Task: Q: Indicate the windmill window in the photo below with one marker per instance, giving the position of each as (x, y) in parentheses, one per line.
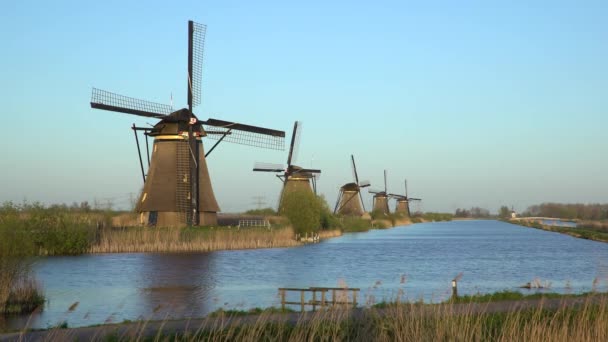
(185, 179)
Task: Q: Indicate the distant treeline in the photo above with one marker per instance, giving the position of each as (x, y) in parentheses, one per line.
(474, 212)
(569, 211)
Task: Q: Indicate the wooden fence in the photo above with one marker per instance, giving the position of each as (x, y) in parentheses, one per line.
(339, 297)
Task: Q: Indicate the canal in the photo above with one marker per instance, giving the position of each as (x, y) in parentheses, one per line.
(417, 262)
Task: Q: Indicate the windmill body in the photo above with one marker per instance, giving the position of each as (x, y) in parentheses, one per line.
(381, 203)
(294, 178)
(177, 188)
(381, 199)
(349, 201)
(403, 203)
(165, 198)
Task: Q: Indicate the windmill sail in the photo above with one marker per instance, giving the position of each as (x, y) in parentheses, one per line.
(245, 134)
(102, 99)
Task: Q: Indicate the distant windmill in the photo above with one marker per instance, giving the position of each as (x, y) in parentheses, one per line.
(403, 202)
(177, 189)
(294, 178)
(381, 199)
(350, 201)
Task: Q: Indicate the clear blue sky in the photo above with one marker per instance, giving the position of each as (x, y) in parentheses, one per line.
(475, 103)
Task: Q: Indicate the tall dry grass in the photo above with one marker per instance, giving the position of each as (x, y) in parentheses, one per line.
(189, 239)
(328, 234)
(587, 321)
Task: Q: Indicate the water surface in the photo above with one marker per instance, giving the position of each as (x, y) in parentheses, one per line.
(420, 260)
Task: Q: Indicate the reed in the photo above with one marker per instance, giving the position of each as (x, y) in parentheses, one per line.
(143, 239)
(588, 321)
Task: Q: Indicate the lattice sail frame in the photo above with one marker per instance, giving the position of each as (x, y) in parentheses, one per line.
(246, 138)
(198, 49)
(103, 99)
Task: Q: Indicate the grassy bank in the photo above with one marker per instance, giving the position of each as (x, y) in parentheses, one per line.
(586, 230)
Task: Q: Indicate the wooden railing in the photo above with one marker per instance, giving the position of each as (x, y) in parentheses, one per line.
(339, 297)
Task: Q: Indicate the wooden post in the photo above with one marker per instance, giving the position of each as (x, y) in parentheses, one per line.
(314, 300)
(454, 289)
(282, 300)
(333, 297)
(323, 298)
(354, 298)
(301, 300)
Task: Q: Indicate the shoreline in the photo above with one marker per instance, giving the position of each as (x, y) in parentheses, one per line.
(579, 233)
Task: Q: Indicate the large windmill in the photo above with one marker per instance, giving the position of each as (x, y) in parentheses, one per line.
(381, 199)
(294, 178)
(403, 202)
(350, 201)
(177, 189)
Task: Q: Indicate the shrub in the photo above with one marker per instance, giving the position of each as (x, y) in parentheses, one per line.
(262, 212)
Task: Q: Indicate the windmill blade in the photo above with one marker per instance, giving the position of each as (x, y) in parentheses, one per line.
(374, 191)
(315, 171)
(245, 134)
(385, 189)
(414, 199)
(354, 168)
(362, 202)
(102, 99)
(397, 196)
(406, 188)
(295, 143)
(268, 167)
(364, 184)
(196, 47)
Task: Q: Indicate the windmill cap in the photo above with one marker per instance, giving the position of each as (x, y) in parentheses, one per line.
(350, 187)
(175, 123)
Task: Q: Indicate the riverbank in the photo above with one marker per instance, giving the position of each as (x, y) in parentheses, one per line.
(557, 319)
(588, 230)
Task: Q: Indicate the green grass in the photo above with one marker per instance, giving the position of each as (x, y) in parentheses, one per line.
(254, 311)
(582, 231)
(508, 295)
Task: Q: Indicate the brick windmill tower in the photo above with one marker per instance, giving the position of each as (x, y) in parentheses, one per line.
(381, 199)
(293, 177)
(350, 201)
(403, 202)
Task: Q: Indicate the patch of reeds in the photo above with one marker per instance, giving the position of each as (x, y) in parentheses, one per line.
(19, 292)
(145, 239)
(352, 224)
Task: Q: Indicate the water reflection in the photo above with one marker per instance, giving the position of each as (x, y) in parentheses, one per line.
(176, 285)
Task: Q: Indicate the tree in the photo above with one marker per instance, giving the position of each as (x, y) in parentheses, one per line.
(303, 210)
(504, 212)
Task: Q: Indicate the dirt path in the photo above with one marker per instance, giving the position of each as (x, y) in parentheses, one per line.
(137, 330)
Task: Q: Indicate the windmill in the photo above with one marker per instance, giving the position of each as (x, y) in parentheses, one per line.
(350, 201)
(294, 178)
(381, 199)
(177, 188)
(403, 202)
